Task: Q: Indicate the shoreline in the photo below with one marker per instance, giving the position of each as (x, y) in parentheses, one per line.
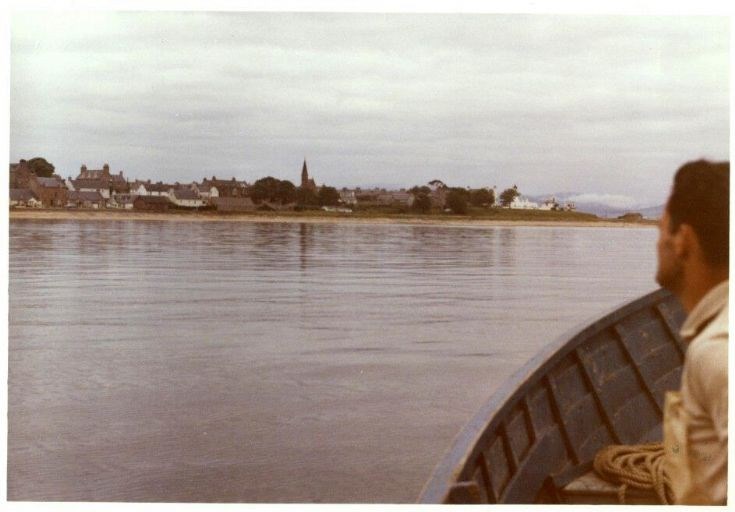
(107, 215)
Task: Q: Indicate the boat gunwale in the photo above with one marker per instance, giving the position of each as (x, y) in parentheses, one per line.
(471, 438)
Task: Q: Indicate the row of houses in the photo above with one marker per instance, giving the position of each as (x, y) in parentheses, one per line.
(100, 188)
(523, 203)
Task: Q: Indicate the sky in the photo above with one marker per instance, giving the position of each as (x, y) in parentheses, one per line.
(605, 106)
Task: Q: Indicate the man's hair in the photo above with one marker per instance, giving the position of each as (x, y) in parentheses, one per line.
(700, 197)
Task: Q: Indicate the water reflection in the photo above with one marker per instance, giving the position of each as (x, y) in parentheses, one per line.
(305, 242)
(342, 359)
(507, 247)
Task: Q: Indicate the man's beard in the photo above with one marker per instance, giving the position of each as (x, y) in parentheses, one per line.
(671, 278)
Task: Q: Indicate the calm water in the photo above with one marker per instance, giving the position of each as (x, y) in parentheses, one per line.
(177, 361)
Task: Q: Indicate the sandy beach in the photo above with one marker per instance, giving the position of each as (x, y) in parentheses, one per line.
(108, 215)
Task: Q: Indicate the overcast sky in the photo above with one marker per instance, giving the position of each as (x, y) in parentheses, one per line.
(601, 105)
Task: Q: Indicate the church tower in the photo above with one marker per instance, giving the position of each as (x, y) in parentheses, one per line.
(304, 176)
(306, 182)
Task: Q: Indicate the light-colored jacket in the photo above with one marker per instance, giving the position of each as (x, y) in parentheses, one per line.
(695, 418)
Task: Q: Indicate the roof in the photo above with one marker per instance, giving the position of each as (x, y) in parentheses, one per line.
(89, 183)
(119, 186)
(185, 193)
(154, 187)
(92, 196)
(51, 182)
(222, 184)
(157, 187)
(21, 194)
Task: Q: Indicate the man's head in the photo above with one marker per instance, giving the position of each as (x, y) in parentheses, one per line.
(694, 232)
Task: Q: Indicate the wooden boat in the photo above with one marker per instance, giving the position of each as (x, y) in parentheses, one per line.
(535, 439)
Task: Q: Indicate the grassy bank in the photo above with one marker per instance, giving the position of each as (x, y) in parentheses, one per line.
(478, 217)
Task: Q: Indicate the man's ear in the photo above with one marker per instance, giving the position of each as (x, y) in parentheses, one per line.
(686, 242)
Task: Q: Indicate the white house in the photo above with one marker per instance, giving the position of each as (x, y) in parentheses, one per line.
(522, 203)
(146, 188)
(186, 198)
(138, 189)
(348, 196)
(123, 201)
(549, 204)
(205, 191)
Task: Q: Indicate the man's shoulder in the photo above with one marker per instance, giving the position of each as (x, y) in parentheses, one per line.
(719, 327)
(706, 357)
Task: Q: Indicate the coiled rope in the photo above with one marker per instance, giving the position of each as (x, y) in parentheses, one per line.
(639, 466)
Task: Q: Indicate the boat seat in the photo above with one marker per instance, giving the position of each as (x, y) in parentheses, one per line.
(591, 489)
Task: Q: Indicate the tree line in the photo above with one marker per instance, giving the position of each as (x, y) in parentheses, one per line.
(285, 192)
(459, 199)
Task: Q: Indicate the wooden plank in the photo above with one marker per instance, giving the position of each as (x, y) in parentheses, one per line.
(464, 492)
(486, 486)
(601, 406)
(543, 459)
(642, 379)
(509, 454)
(559, 419)
(532, 436)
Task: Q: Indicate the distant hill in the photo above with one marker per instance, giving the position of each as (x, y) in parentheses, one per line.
(652, 212)
(602, 209)
(607, 211)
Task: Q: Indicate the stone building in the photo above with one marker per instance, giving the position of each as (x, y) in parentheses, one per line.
(224, 188)
(96, 179)
(51, 192)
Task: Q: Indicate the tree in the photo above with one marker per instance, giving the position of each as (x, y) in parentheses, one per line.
(457, 200)
(421, 203)
(265, 189)
(286, 192)
(328, 196)
(306, 197)
(41, 167)
(273, 190)
(508, 195)
(437, 184)
(482, 197)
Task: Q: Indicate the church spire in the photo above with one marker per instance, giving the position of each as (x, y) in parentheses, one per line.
(304, 175)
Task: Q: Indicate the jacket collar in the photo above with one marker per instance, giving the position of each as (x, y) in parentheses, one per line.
(707, 308)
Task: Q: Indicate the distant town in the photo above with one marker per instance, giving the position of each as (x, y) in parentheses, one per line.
(35, 184)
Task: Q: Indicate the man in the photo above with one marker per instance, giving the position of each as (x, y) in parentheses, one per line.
(693, 255)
